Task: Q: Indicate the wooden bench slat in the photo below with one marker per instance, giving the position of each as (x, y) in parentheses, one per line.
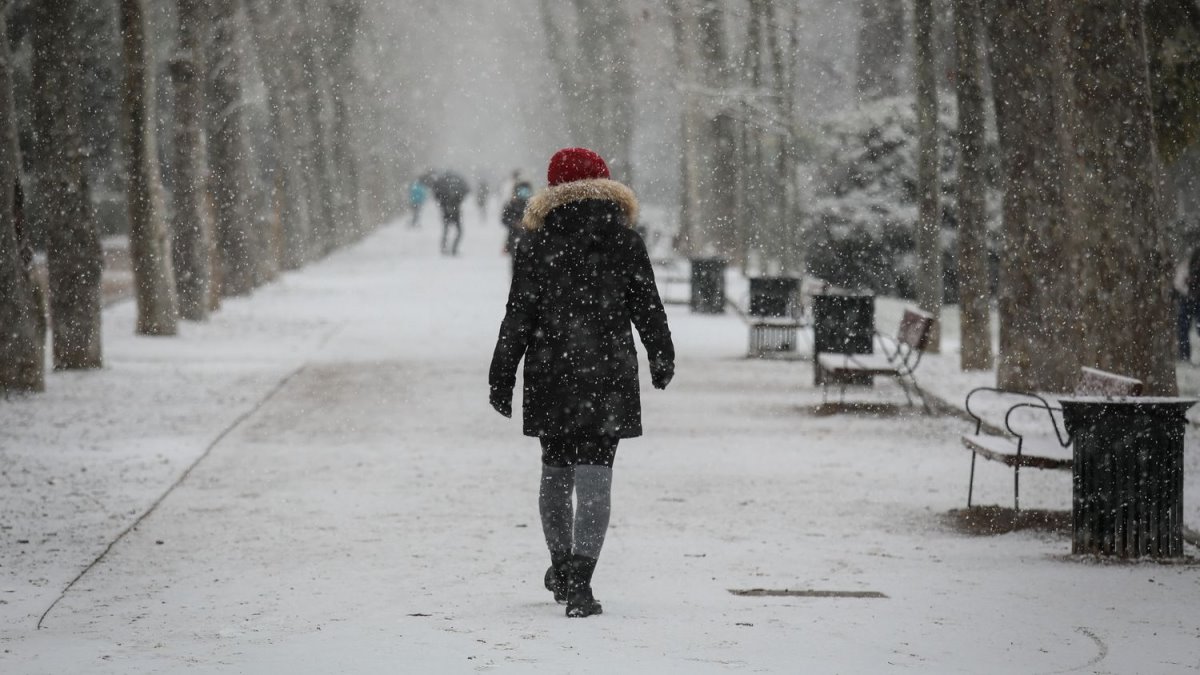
(1095, 382)
(1042, 455)
(874, 364)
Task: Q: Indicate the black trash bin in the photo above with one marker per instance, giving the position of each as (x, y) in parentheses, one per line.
(1127, 470)
(843, 323)
(708, 285)
(773, 296)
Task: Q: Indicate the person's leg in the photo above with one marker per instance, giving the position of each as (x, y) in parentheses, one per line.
(458, 230)
(1192, 312)
(1183, 328)
(593, 491)
(446, 221)
(554, 505)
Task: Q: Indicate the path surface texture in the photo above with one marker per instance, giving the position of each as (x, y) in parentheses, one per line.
(313, 482)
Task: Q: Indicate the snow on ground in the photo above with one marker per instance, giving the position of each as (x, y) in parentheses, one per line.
(355, 506)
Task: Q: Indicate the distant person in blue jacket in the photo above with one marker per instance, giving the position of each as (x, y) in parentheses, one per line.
(416, 198)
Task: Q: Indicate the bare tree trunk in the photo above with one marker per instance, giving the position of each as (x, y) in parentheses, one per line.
(596, 78)
(929, 212)
(579, 123)
(154, 279)
(22, 342)
(880, 48)
(62, 198)
(192, 241)
(230, 180)
(781, 181)
(1037, 299)
(721, 171)
(689, 116)
(1124, 272)
(754, 230)
(275, 29)
(314, 83)
(974, 288)
(615, 45)
(344, 25)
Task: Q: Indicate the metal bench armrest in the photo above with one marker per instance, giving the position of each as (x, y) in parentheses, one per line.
(903, 357)
(1000, 392)
(1050, 410)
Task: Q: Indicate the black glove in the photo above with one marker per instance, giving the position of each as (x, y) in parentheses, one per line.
(501, 402)
(661, 376)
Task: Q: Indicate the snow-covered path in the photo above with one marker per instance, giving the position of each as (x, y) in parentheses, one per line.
(368, 512)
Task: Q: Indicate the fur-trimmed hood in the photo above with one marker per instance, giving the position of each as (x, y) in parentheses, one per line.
(551, 198)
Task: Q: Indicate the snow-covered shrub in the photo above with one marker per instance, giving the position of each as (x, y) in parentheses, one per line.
(861, 220)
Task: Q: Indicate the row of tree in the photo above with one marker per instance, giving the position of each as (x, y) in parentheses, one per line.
(247, 197)
(1081, 100)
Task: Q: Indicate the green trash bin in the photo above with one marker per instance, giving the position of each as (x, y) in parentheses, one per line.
(1127, 474)
(708, 285)
(843, 323)
(773, 296)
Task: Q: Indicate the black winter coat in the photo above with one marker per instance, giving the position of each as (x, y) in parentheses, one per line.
(581, 277)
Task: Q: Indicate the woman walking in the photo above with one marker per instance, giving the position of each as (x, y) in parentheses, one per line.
(581, 276)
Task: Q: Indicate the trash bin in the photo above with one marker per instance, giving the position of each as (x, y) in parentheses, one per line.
(773, 296)
(708, 285)
(843, 323)
(1127, 470)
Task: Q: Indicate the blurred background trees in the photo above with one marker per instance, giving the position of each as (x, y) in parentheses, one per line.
(784, 137)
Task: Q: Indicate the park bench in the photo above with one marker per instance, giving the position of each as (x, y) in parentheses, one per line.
(1043, 451)
(774, 313)
(898, 358)
(773, 334)
(674, 283)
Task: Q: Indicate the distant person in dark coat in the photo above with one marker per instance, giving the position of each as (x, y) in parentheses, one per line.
(450, 190)
(581, 279)
(1187, 291)
(482, 192)
(514, 211)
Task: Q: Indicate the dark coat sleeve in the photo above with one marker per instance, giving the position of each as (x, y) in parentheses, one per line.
(645, 308)
(511, 216)
(515, 331)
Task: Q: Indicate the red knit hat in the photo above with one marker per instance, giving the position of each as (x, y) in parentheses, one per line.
(571, 164)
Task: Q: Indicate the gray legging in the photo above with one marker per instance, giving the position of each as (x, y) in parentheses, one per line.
(582, 531)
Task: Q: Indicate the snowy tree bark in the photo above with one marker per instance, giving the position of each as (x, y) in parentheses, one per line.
(974, 288)
(228, 148)
(880, 48)
(192, 240)
(61, 195)
(929, 212)
(154, 279)
(1125, 310)
(23, 339)
(275, 30)
(1037, 295)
